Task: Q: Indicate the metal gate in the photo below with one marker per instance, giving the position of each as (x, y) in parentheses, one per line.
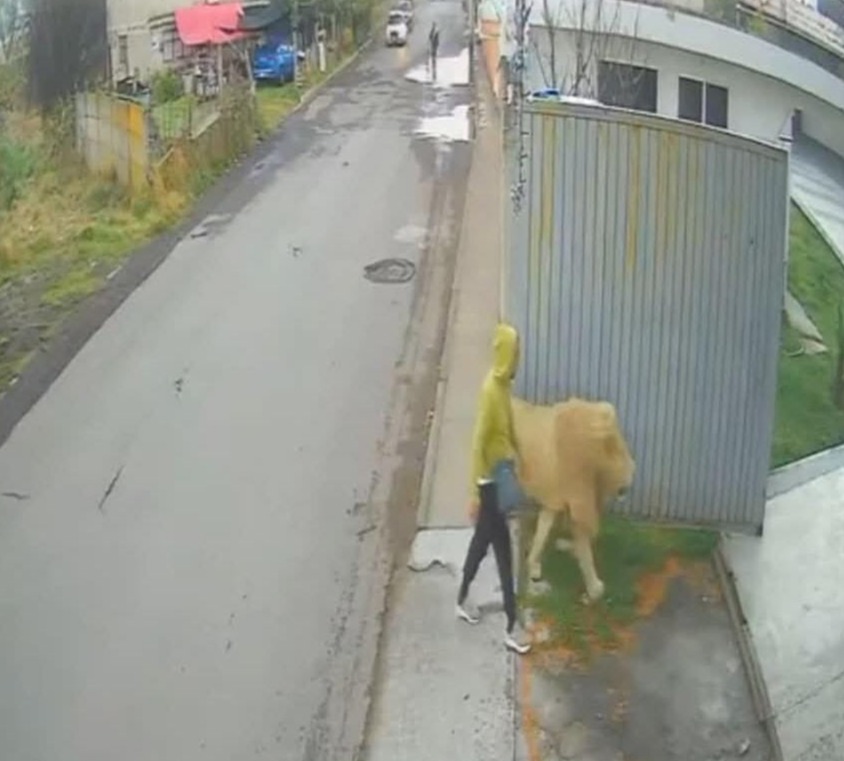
(647, 267)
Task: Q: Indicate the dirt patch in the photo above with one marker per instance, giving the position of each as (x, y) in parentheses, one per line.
(672, 689)
(637, 563)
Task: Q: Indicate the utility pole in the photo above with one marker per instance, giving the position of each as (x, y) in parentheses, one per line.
(473, 22)
(294, 22)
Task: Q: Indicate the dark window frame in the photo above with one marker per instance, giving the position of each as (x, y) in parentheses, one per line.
(628, 85)
(123, 51)
(717, 111)
(713, 108)
(690, 107)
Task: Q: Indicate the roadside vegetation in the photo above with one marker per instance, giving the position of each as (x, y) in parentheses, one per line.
(810, 389)
(64, 231)
(276, 102)
(636, 562)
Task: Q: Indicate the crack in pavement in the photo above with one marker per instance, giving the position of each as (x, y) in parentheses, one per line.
(20, 497)
(110, 489)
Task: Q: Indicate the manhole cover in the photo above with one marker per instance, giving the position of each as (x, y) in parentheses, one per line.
(390, 271)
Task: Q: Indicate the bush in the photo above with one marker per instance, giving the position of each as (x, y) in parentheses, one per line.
(167, 86)
(11, 84)
(17, 164)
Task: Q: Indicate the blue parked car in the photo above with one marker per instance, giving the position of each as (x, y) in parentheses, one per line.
(274, 62)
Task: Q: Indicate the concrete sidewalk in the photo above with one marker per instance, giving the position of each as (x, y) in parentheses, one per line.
(474, 312)
(446, 688)
(789, 584)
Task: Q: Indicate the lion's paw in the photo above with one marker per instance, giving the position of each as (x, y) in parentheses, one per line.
(535, 571)
(595, 591)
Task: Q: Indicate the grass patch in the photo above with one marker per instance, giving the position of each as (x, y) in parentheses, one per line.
(274, 103)
(627, 555)
(18, 162)
(807, 420)
(10, 368)
(63, 233)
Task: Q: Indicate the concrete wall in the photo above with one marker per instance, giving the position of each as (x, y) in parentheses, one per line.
(112, 137)
(759, 105)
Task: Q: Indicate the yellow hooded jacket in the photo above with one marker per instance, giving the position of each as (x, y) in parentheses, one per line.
(494, 438)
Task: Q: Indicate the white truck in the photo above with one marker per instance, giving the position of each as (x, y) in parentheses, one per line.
(397, 30)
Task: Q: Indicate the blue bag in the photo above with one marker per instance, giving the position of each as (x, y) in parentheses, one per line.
(509, 491)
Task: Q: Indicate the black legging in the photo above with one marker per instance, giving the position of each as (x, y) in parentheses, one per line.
(491, 528)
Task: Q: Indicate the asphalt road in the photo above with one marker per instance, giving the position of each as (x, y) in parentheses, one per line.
(190, 511)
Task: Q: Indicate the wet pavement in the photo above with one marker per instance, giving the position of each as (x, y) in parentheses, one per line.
(185, 561)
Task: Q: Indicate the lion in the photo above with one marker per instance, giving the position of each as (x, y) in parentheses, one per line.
(574, 460)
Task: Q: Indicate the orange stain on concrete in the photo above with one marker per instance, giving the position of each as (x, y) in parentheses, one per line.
(653, 587)
(652, 590)
(530, 724)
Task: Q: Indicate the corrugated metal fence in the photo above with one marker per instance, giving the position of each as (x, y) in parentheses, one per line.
(647, 267)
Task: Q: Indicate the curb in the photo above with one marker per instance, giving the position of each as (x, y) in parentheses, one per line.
(798, 473)
(429, 469)
(312, 92)
(747, 650)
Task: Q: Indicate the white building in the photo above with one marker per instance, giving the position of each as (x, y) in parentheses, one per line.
(672, 62)
(142, 36)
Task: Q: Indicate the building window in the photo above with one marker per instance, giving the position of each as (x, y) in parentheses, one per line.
(627, 86)
(690, 105)
(716, 105)
(703, 103)
(172, 48)
(123, 52)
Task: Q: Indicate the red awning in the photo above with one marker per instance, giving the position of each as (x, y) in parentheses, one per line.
(212, 24)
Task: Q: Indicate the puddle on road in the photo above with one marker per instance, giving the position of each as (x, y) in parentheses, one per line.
(452, 71)
(446, 128)
(413, 234)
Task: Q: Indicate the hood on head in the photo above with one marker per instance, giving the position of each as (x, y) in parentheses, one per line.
(505, 349)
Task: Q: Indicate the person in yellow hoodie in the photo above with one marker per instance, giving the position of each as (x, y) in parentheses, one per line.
(493, 447)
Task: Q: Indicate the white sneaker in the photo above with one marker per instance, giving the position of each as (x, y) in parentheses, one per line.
(468, 612)
(516, 641)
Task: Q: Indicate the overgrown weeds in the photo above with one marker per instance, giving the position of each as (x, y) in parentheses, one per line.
(17, 165)
(64, 232)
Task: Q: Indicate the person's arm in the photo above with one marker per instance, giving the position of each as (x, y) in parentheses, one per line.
(514, 442)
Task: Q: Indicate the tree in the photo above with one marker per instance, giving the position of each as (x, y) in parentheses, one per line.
(68, 48)
(595, 33)
(12, 29)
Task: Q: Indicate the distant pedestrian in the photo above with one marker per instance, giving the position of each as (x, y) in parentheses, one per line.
(494, 450)
(434, 45)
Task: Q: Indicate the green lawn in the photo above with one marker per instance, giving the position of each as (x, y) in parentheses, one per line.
(274, 103)
(806, 418)
(634, 561)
